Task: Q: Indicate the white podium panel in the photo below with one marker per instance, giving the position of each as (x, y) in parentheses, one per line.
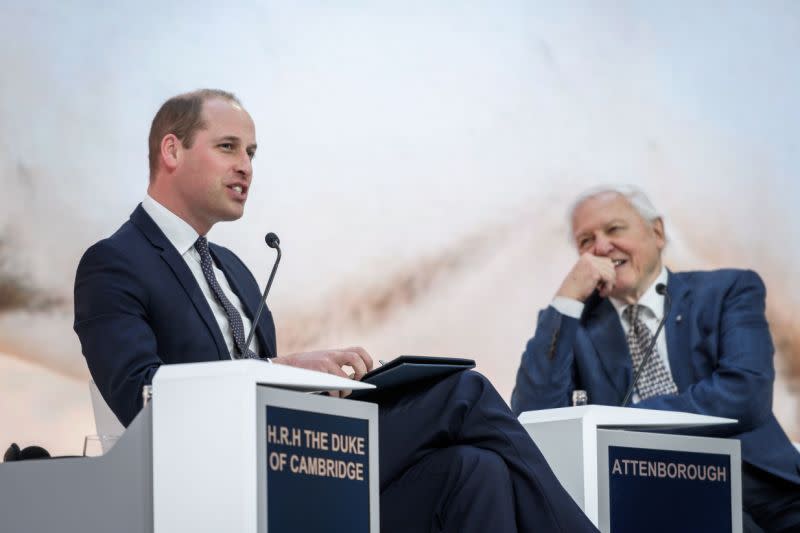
(606, 463)
(206, 437)
(196, 458)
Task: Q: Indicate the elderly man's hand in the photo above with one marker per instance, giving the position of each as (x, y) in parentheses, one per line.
(331, 362)
(590, 272)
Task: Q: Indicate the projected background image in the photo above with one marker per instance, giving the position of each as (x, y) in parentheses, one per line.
(416, 160)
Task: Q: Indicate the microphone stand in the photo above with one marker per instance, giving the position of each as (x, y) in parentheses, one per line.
(660, 289)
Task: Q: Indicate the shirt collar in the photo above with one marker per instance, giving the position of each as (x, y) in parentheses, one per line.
(179, 233)
(650, 299)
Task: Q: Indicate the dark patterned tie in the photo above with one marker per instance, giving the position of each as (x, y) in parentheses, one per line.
(234, 318)
(655, 378)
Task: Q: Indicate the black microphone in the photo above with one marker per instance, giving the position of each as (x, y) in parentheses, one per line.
(662, 290)
(272, 241)
(13, 453)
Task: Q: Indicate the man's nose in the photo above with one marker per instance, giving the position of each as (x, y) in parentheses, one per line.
(244, 166)
(602, 246)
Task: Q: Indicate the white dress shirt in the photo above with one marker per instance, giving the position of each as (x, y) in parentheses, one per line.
(182, 236)
(651, 315)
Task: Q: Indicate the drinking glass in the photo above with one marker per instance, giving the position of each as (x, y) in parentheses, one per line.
(97, 445)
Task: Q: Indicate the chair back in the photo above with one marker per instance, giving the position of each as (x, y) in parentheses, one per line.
(105, 421)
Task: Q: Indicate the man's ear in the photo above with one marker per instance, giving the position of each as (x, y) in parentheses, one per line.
(171, 148)
(658, 229)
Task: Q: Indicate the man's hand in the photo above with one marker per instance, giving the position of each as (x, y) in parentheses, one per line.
(331, 362)
(589, 273)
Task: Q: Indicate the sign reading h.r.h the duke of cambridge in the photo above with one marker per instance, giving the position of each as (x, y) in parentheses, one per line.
(666, 490)
(317, 472)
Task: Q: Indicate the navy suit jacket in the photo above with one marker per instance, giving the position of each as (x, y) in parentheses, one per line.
(720, 354)
(135, 301)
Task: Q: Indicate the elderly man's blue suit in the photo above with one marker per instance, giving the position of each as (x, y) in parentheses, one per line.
(720, 354)
(452, 455)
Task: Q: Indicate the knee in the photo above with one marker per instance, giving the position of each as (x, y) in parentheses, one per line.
(475, 389)
(472, 383)
(477, 465)
(474, 378)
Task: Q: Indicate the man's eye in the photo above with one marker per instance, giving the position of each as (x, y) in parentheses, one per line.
(226, 146)
(251, 155)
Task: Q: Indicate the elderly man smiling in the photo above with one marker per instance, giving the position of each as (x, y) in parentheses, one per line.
(715, 359)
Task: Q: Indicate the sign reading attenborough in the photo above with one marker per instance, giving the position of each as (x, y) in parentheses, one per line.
(317, 472)
(665, 490)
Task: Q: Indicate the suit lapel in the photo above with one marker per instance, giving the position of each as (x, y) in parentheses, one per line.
(178, 266)
(677, 331)
(608, 337)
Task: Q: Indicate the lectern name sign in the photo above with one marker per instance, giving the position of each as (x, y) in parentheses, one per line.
(310, 440)
(317, 471)
(659, 490)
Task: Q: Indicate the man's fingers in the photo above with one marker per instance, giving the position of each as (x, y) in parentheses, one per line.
(353, 360)
(589, 273)
(331, 367)
(362, 353)
(605, 288)
(602, 260)
(331, 362)
(356, 357)
(606, 271)
(604, 268)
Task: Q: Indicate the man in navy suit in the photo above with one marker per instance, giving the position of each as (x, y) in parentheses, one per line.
(716, 358)
(452, 455)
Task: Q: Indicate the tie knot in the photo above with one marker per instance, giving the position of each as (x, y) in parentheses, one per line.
(201, 245)
(631, 313)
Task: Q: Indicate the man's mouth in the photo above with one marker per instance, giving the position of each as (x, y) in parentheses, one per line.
(619, 262)
(239, 189)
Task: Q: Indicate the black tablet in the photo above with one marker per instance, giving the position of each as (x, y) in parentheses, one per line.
(407, 369)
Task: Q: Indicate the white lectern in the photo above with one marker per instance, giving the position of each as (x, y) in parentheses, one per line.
(220, 448)
(615, 471)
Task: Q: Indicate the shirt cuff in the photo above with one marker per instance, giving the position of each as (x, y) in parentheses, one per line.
(568, 306)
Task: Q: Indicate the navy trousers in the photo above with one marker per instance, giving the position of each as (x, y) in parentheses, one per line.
(771, 504)
(453, 458)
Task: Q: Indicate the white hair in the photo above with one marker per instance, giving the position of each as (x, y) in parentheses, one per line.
(635, 196)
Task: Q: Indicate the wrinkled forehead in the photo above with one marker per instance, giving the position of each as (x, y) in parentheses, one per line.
(599, 210)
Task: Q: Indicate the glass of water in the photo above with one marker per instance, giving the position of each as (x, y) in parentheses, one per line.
(579, 397)
(97, 445)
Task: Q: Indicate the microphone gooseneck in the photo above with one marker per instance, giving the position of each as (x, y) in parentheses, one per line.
(272, 241)
(662, 290)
